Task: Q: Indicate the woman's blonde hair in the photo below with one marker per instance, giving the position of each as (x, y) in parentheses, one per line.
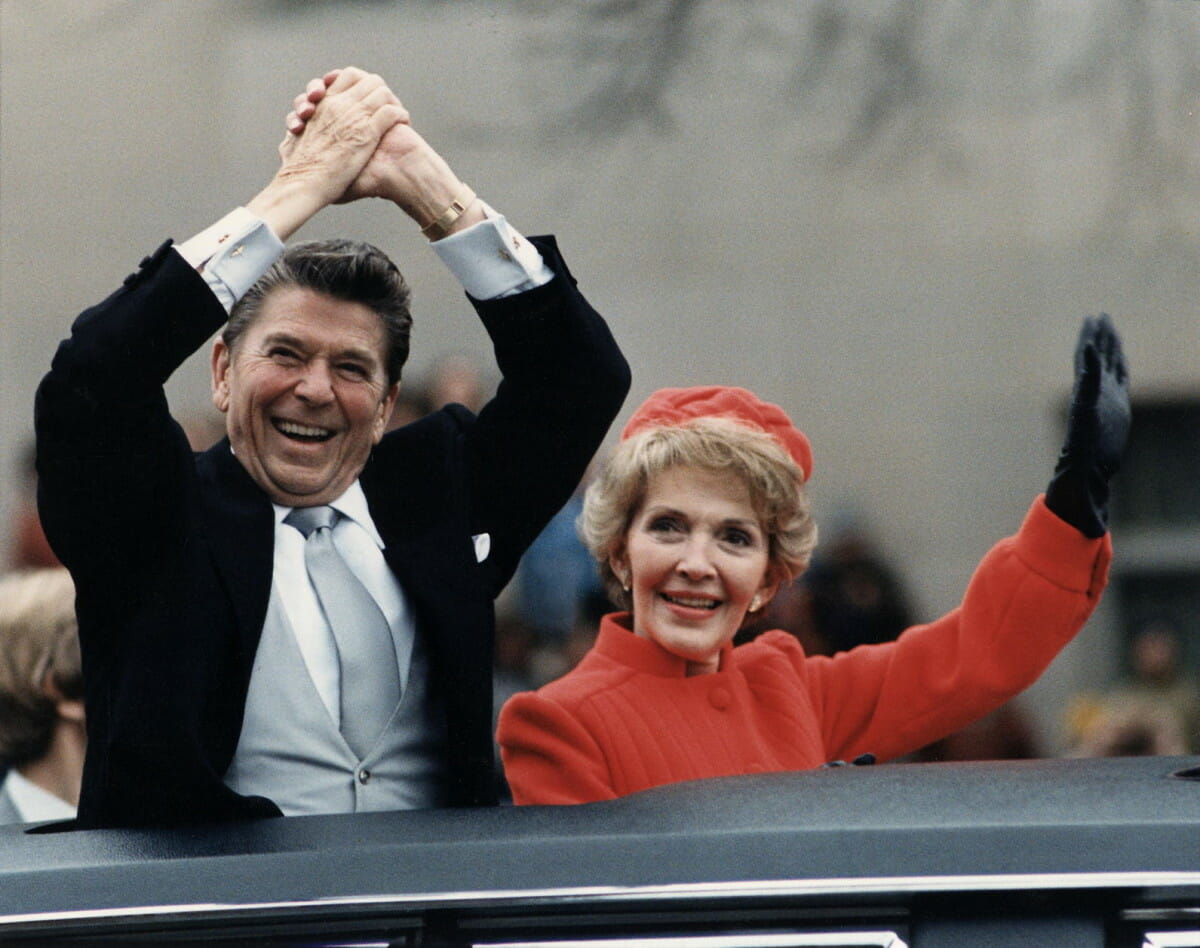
(39, 647)
(714, 444)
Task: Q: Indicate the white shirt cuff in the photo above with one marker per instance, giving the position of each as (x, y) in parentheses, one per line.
(232, 254)
(491, 259)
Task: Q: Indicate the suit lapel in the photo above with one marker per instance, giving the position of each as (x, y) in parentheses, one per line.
(238, 524)
(419, 504)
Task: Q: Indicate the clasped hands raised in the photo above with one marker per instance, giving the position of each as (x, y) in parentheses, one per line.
(350, 137)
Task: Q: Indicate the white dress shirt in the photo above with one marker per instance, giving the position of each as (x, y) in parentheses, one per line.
(490, 259)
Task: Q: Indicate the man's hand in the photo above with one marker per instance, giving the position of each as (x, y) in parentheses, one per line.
(338, 139)
(334, 143)
(403, 168)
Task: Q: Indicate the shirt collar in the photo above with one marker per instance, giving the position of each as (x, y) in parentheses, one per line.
(33, 803)
(352, 505)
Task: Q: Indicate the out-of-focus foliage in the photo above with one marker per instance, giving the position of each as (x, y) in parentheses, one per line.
(898, 82)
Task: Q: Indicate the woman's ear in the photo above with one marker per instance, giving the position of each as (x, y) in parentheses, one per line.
(620, 567)
(766, 592)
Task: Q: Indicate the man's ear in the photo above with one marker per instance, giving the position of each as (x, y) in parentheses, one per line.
(69, 709)
(385, 410)
(220, 375)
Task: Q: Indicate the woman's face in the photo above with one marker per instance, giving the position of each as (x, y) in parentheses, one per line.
(695, 557)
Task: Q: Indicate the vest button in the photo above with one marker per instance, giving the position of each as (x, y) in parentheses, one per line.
(364, 776)
(719, 698)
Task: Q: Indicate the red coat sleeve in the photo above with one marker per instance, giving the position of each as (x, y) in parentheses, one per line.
(1028, 598)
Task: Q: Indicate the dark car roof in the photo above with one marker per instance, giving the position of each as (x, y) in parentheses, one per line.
(844, 831)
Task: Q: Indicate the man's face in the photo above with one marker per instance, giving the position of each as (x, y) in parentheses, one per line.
(305, 395)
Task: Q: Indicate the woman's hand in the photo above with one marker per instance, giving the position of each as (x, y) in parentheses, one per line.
(403, 168)
(1097, 429)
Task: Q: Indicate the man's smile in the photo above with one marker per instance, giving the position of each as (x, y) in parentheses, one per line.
(297, 432)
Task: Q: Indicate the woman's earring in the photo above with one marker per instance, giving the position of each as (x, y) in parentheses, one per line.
(755, 603)
(625, 582)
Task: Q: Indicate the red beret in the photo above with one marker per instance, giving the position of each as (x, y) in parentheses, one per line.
(673, 406)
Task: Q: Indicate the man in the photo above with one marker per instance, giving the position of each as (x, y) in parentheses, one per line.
(42, 737)
(223, 680)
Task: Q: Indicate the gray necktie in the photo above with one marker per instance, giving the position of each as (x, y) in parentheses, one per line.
(370, 678)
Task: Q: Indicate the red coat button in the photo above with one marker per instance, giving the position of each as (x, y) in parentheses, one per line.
(720, 698)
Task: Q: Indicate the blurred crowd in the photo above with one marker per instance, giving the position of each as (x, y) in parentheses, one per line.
(549, 616)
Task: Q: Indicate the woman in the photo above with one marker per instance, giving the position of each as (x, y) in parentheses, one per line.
(698, 518)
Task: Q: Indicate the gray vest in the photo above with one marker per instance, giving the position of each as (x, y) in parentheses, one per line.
(290, 750)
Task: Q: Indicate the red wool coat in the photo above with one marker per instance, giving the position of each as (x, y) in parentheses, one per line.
(628, 718)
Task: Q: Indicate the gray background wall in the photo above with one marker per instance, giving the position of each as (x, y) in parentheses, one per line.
(887, 217)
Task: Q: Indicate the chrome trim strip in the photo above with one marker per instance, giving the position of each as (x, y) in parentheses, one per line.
(1172, 940)
(880, 939)
(881, 885)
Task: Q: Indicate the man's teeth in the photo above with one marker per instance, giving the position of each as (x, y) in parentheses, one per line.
(302, 431)
(692, 602)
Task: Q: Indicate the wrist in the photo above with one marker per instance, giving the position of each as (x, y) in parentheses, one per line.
(287, 203)
(454, 216)
(1079, 497)
(441, 210)
(429, 192)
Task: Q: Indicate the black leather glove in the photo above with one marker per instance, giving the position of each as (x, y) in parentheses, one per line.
(1097, 430)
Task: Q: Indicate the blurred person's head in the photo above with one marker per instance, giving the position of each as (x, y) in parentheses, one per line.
(41, 681)
(30, 549)
(699, 515)
(411, 405)
(203, 430)
(1154, 654)
(456, 379)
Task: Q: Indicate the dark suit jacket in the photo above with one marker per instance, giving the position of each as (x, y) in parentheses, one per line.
(171, 552)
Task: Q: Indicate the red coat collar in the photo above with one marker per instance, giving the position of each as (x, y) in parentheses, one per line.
(618, 642)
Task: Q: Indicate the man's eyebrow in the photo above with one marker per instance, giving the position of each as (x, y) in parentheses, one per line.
(281, 337)
(366, 356)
